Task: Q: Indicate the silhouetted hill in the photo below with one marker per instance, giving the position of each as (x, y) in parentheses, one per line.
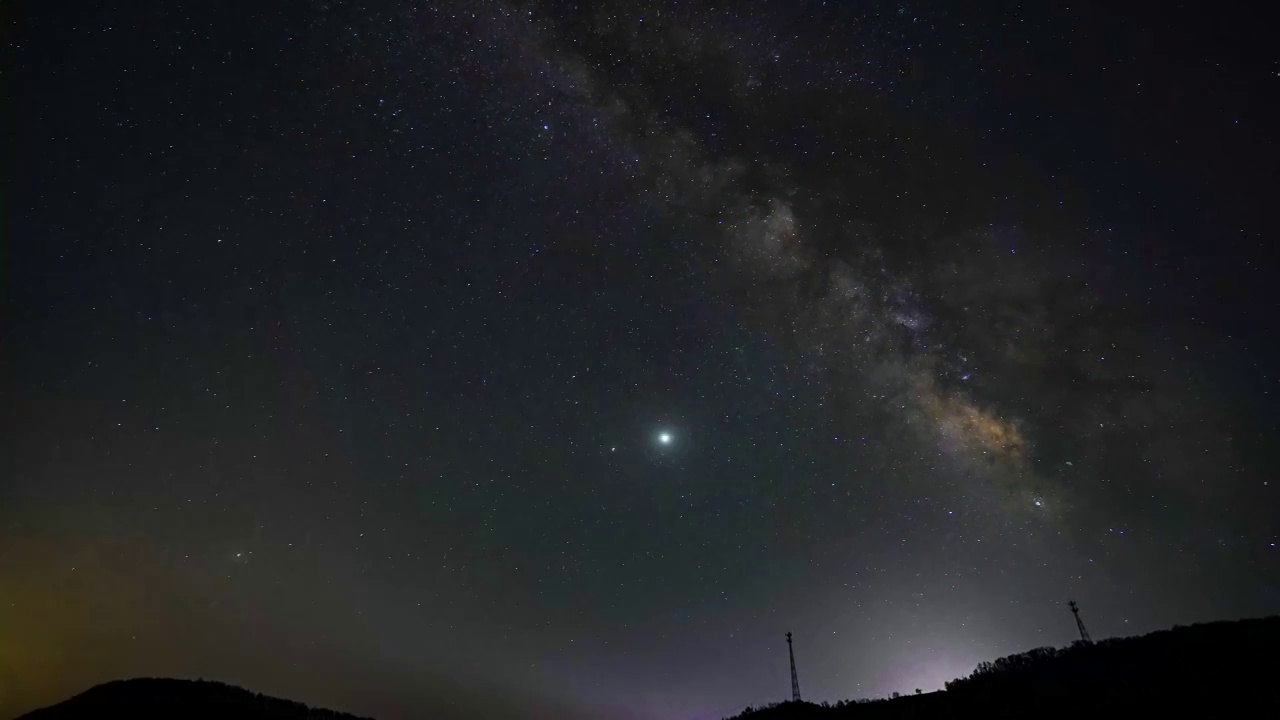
(158, 699)
(1221, 669)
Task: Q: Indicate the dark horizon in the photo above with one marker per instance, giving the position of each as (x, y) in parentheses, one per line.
(537, 360)
(1216, 667)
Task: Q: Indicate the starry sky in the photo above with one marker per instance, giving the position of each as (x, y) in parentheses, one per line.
(550, 359)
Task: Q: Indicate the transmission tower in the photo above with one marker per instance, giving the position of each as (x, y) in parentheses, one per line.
(1075, 610)
(795, 681)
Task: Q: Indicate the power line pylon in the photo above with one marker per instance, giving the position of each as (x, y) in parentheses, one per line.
(795, 681)
(1075, 610)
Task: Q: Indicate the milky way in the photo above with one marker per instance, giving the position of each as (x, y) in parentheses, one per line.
(532, 359)
(987, 347)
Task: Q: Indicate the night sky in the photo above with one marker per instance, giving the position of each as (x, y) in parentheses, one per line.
(532, 360)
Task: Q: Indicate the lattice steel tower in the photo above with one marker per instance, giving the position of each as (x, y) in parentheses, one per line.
(1075, 610)
(795, 681)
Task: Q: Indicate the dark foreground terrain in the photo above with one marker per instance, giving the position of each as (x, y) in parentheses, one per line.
(1215, 670)
(161, 699)
(1222, 669)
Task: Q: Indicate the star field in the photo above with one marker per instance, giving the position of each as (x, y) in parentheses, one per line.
(532, 359)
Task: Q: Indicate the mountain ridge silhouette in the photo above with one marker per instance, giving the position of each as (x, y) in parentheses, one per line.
(1217, 669)
(157, 698)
